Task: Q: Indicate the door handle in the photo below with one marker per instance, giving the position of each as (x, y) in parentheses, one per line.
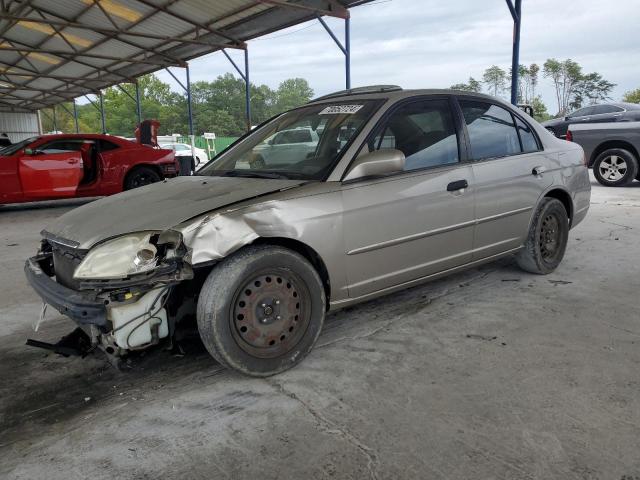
(538, 170)
(457, 185)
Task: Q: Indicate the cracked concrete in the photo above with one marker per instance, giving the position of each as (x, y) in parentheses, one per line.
(492, 373)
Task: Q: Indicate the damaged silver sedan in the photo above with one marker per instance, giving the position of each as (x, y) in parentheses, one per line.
(367, 192)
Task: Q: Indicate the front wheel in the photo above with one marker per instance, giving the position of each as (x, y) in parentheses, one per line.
(547, 238)
(615, 167)
(261, 310)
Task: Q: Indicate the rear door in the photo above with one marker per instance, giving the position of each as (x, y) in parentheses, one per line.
(510, 172)
(51, 170)
(414, 223)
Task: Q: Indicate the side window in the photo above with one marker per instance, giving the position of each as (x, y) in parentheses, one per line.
(581, 112)
(599, 109)
(105, 145)
(491, 130)
(424, 131)
(527, 137)
(61, 146)
(293, 136)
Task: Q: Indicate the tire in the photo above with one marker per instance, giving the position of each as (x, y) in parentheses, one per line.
(140, 176)
(261, 310)
(615, 167)
(551, 223)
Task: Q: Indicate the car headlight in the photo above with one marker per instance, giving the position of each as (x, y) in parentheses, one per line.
(119, 258)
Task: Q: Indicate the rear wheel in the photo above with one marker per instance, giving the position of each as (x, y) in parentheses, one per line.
(615, 167)
(141, 176)
(261, 310)
(547, 238)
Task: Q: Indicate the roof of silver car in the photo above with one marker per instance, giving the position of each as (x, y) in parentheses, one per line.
(394, 92)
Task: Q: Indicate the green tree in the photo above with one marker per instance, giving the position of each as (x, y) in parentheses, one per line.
(632, 97)
(539, 109)
(218, 106)
(472, 85)
(292, 93)
(591, 89)
(565, 76)
(495, 79)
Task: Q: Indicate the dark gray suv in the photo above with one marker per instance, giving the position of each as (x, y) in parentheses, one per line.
(606, 112)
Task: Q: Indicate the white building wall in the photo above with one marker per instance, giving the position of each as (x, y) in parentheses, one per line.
(19, 126)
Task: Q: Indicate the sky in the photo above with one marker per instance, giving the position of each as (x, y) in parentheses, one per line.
(436, 43)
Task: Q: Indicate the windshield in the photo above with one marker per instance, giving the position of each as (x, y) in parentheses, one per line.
(303, 143)
(11, 149)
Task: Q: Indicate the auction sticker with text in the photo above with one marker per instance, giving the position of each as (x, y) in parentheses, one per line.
(340, 109)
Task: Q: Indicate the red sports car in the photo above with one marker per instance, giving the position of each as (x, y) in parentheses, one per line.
(62, 166)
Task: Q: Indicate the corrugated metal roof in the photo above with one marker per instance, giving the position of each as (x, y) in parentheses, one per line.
(52, 52)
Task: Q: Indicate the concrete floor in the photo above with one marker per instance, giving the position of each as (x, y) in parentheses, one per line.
(489, 374)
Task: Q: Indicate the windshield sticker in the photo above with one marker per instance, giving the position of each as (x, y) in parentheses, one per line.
(341, 109)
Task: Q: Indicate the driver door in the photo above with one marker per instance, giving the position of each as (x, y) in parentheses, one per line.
(51, 170)
(418, 222)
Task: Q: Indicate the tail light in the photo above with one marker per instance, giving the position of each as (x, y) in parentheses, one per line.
(569, 137)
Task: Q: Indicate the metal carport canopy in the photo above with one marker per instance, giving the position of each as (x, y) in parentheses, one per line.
(52, 52)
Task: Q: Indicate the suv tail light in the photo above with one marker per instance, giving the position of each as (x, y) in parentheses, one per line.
(569, 137)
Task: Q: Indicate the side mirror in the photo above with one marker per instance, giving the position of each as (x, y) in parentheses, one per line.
(566, 118)
(379, 162)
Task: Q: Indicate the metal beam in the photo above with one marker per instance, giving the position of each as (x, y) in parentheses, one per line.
(138, 106)
(71, 55)
(337, 11)
(189, 106)
(247, 84)
(516, 14)
(75, 116)
(345, 49)
(198, 25)
(102, 117)
(111, 31)
(247, 89)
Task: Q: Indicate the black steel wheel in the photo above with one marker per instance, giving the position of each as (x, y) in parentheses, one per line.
(547, 238)
(261, 310)
(271, 313)
(141, 176)
(550, 237)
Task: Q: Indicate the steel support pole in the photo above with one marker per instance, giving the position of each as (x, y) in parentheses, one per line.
(55, 124)
(138, 106)
(75, 116)
(516, 13)
(189, 103)
(247, 89)
(347, 53)
(102, 117)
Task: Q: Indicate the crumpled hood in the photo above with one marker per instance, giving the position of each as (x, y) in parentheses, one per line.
(158, 207)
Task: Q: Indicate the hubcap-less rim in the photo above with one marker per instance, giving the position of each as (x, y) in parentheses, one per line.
(270, 313)
(142, 179)
(549, 237)
(613, 168)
